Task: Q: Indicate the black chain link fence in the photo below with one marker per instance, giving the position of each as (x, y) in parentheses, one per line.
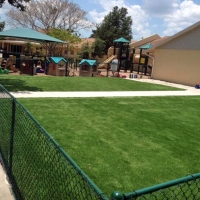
(37, 167)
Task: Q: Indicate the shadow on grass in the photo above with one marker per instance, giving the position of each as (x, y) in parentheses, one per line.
(18, 85)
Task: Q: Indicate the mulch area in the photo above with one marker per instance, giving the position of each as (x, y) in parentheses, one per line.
(103, 74)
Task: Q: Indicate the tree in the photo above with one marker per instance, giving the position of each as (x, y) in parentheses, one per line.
(59, 18)
(16, 3)
(47, 14)
(28, 48)
(2, 26)
(85, 51)
(115, 25)
(63, 35)
(98, 48)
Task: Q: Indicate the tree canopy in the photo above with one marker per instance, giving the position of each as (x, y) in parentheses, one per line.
(92, 50)
(47, 14)
(58, 18)
(98, 48)
(16, 3)
(2, 25)
(85, 51)
(63, 35)
(115, 25)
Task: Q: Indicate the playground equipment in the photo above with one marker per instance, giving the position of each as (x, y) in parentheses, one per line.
(3, 71)
(107, 62)
(88, 67)
(131, 57)
(57, 66)
(9, 64)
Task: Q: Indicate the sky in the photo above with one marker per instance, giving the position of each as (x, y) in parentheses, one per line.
(162, 17)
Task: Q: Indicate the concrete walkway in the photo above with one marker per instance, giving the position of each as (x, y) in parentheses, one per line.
(5, 191)
(105, 94)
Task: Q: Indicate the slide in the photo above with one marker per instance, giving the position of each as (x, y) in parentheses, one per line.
(9, 65)
(105, 62)
(14, 69)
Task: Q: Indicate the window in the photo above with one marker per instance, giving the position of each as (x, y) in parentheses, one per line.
(15, 48)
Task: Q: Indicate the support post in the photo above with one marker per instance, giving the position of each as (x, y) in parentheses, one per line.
(116, 195)
(12, 136)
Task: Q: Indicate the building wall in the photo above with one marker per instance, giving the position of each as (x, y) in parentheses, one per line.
(177, 66)
(187, 41)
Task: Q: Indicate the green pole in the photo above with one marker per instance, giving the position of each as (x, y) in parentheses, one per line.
(12, 136)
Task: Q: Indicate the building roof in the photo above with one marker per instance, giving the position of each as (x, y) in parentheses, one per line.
(57, 59)
(144, 41)
(146, 46)
(121, 40)
(29, 34)
(190, 28)
(89, 62)
(157, 41)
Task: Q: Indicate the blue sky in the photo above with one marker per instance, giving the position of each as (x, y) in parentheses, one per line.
(162, 17)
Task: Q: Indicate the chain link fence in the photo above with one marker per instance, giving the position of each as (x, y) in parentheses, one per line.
(186, 188)
(37, 167)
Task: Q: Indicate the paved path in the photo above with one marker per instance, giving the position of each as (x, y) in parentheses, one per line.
(5, 192)
(105, 94)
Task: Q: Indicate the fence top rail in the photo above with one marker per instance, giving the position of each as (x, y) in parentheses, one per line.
(162, 185)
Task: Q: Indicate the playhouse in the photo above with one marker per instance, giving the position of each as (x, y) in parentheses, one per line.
(57, 66)
(88, 67)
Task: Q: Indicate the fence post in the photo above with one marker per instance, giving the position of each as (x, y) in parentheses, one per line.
(12, 136)
(116, 195)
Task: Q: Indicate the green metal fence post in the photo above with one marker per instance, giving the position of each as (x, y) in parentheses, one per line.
(14, 184)
(12, 136)
(116, 195)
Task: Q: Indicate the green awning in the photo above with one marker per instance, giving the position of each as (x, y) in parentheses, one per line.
(146, 46)
(121, 40)
(57, 59)
(89, 62)
(29, 34)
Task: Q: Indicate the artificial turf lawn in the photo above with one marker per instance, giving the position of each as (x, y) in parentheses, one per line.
(52, 83)
(125, 143)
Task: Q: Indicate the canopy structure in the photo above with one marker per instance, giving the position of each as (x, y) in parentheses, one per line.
(57, 59)
(29, 34)
(146, 46)
(121, 40)
(89, 62)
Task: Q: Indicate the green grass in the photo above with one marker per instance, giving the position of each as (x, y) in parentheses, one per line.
(52, 83)
(125, 144)
(36, 161)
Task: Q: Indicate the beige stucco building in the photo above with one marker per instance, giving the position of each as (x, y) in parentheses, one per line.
(177, 59)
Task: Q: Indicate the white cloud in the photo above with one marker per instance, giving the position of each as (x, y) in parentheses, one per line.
(97, 17)
(185, 15)
(140, 26)
(140, 22)
(4, 9)
(160, 8)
